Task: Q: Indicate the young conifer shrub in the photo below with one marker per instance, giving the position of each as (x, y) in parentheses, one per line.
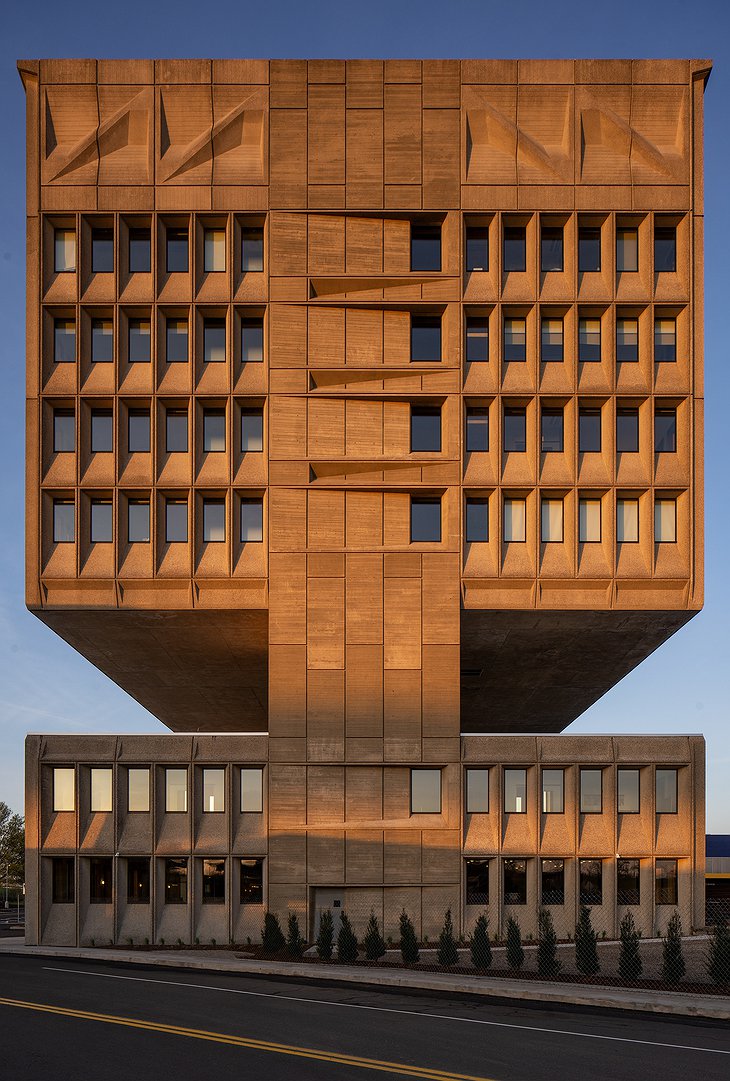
(515, 953)
(346, 942)
(326, 936)
(408, 941)
(481, 951)
(373, 941)
(447, 952)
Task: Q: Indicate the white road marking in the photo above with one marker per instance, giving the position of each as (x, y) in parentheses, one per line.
(385, 1009)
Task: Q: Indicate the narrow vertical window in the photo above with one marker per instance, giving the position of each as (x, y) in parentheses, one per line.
(665, 431)
(590, 880)
(627, 881)
(64, 431)
(627, 521)
(176, 341)
(627, 250)
(665, 249)
(515, 430)
(514, 526)
(425, 338)
(477, 248)
(100, 880)
(589, 431)
(140, 251)
(477, 882)
(64, 251)
(515, 791)
(425, 791)
(252, 249)
(177, 250)
(477, 791)
(102, 431)
(102, 341)
(665, 521)
(477, 428)
(64, 527)
(139, 341)
(425, 521)
(214, 521)
(425, 247)
(553, 791)
(551, 523)
(628, 791)
(551, 431)
(252, 790)
(515, 882)
(176, 881)
(64, 341)
(64, 788)
(552, 885)
(138, 881)
(101, 789)
(627, 431)
(214, 341)
(589, 340)
(589, 249)
(252, 430)
(214, 882)
(176, 431)
(214, 431)
(176, 521)
(514, 249)
(138, 431)
(252, 341)
(589, 521)
(176, 790)
(138, 521)
(552, 340)
(627, 340)
(477, 338)
(665, 340)
(252, 882)
(551, 248)
(515, 339)
(102, 251)
(425, 429)
(101, 522)
(666, 882)
(477, 521)
(252, 521)
(62, 880)
(591, 791)
(138, 788)
(666, 791)
(214, 790)
(214, 251)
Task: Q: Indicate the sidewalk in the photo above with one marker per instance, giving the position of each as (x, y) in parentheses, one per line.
(715, 1007)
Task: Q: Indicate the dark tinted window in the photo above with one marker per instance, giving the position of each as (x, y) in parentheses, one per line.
(102, 341)
(551, 248)
(477, 429)
(665, 249)
(177, 251)
(477, 882)
(591, 791)
(425, 428)
(425, 520)
(252, 882)
(666, 882)
(590, 875)
(627, 431)
(100, 880)
(138, 434)
(515, 248)
(214, 341)
(552, 430)
(139, 341)
(176, 341)
(425, 247)
(102, 431)
(627, 340)
(176, 882)
(176, 432)
(665, 431)
(139, 251)
(477, 338)
(102, 251)
(138, 881)
(252, 341)
(553, 882)
(477, 521)
(64, 431)
(589, 249)
(627, 882)
(64, 341)
(515, 429)
(515, 338)
(477, 248)
(252, 249)
(589, 431)
(589, 340)
(515, 882)
(425, 337)
(62, 875)
(214, 882)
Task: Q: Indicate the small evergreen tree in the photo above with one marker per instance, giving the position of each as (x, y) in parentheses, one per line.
(408, 942)
(629, 959)
(548, 964)
(515, 953)
(673, 967)
(272, 936)
(346, 942)
(718, 959)
(481, 951)
(586, 954)
(326, 936)
(295, 944)
(373, 942)
(447, 952)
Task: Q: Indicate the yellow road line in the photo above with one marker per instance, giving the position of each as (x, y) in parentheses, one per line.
(424, 1072)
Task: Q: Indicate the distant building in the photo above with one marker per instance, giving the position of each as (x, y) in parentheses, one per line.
(365, 409)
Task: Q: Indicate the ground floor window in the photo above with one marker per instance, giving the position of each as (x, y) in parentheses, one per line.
(214, 882)
(665, 882)
(252, 881)
(477, 882)
(515, 882)
(62, 877)
(100, 880)
(176, 882)
(627, 882)
(553, 882)
(138, 882)
(590, 873)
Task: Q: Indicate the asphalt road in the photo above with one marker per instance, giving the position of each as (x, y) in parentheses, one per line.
(68, 1020)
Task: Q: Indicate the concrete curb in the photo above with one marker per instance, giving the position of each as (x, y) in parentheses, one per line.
(715, 1007)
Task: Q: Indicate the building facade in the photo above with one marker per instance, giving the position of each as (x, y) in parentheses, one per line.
(364, 440)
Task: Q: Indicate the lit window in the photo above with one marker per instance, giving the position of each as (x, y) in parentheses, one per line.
(589, 340)
(64, 788)
(515, 521)
(628, 890)
(591, 791)
(551, 525)
(176, 431)
(138, 881)
(515, 248)
(477, 521)
(252, 790)
(101, 789)
(666, 791)
(477, 882)
(515, 791)
(63, 521)
(252, 341)
(102, 431)
(589, 249)
(477, 248)
(425, 520)
(551, 431)
(176, 341)
(176, 882)
(477, 338)
(102, 251)
(214, 882)
(425, 247)
(589, 521)
(214, 521)
(138, 789)
(552, 340)
(515, 882)
(590, 882)
(665, 249)
(425, 428)
(665, 431)
(627, 250)
(100, 880)
(214, 341)
(477, 791)
(214, 787)
(102, 341)
(477, 429)
(139, 341)
(553, 784)
(138, 431)
(252, 430)
(176, 790)
(214, 251)
(515, 430)
(425, 791)
(64, 251)
(102, 522)
(515, 339)
(62, 880)
(214, 431)
(252, 521)
(176, 521)
(665, 882)
(252, 249)
(665, 340)
(425, 338)
(628, 788)
(627, 521)
(627, 431)
(552, 885)
(252, 882)
(551, 248)
(627, 340)
(589, 431)
(177, 251)
(64, 431)
(665, 521)
(140, 251)
(64, 341)
(137, 521)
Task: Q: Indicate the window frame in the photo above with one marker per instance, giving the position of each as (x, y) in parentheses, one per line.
(520, 266)
(68, 864)
(511, 862)
(583, 895)
(545, 901)
(558, 231)
(427, 231)
(628, 860)
(174, 235)
(219, 876)
(136, 863)
(204, 780)
(424, 321)
(475, 501)
(183, 884)
(251, 501)
(54, 794)
(256, 861)
(425, 411)
(175, 502)
(585, 501)
(661, 882)
(476, 411)
(97, 770)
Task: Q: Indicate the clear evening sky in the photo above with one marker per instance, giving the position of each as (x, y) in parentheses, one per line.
(685, 687)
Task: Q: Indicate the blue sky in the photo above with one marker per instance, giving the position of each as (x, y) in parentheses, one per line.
(685, 686)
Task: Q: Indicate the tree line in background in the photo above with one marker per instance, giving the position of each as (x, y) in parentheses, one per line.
(342, 944)
(12, 849)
